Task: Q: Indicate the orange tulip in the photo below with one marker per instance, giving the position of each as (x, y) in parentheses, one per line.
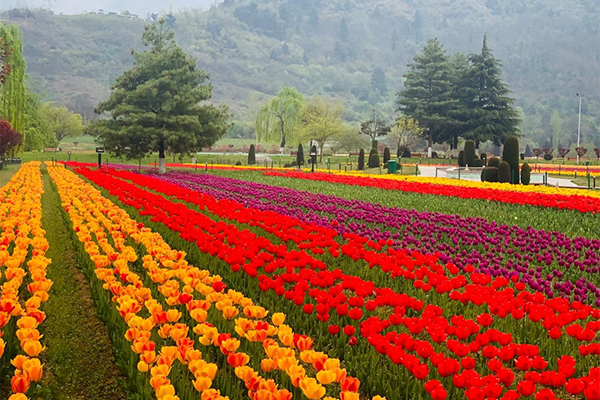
(237, 359)
(203, 383)
(311, 388)
(32, 347)
(27, 323)
(165, 390)
(19, 384)
(33, 369)
(2, 347)
(173, 315)
(267, 365)
(18, 396)
(349, 396)
(229, 345)
(230, 312)
(199, 315)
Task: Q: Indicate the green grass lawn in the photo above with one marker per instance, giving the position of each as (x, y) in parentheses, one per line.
(6, 173)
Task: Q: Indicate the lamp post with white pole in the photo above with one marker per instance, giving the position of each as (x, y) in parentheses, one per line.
(579, 126)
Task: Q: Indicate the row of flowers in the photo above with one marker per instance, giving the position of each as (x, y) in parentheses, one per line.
(192, 292)
(548, 262)
(542, 196)
(23, 290)
(331, 290)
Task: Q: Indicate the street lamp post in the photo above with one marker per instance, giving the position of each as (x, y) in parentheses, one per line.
(579, 126)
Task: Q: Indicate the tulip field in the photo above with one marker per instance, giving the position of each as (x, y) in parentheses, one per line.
(236, 284)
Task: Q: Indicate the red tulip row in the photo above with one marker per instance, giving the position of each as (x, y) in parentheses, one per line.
(570, 202)
(244, 250)
(553, 314)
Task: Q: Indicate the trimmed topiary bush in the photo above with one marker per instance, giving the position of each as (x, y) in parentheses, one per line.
(252, 155)
(361, 160)
(504, 172)
(477, 164)
(548, 157)
(525, 174)
(483, 175)
(493, 162)
(374, 144)
(386, 155)
(510, 154)
(461, 158)
(469, 153)
(373, 159)
(491, 174)
(406, 153)
(238, 163)
(300, 156)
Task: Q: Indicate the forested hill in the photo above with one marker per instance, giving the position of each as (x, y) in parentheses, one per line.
(355, 50)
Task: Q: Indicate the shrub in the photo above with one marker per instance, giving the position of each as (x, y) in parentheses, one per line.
(293, 164)
(493, 162)
(373, 159)
(461, 158)
(469, 153)
(483, 175)
(300, 155)
(477, 163)
(287, 165)
(386, 155)
(434, 154)
(510, 154)
(522, 156)
(406, 153)
(548, 157)
(504, 172)
(525, 174)
(238, 163)
(491, 174)
(252, 155)
(361, 160)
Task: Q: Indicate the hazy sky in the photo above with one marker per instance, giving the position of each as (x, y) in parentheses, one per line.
(140, 7)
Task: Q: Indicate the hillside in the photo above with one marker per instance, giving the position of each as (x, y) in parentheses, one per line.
(353, 50)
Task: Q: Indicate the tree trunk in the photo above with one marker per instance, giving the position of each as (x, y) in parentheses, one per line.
(161, 159)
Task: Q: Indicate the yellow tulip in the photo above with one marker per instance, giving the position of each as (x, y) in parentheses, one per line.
(165, 390)
(326, 377)
(32, 347)
(278, 318)
(142, 366)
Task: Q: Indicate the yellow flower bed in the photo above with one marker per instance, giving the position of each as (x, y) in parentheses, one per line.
(22, 233)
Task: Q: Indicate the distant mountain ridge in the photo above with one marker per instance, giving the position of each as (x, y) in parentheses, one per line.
(354, 50)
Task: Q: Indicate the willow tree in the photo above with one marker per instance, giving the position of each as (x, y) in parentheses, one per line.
(158, 104)
(321, 121)
(13, 90)
(279, 118)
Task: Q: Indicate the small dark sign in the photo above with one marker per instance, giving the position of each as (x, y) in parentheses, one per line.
(99, 150)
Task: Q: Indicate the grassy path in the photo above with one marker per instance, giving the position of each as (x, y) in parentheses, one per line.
(78, 360)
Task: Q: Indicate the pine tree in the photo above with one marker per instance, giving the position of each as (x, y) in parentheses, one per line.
(156, 105)
(427, 95)
(491, 115)
(379, 81)
(344, 31)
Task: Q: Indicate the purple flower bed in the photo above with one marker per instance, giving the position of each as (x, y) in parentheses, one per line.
(548, 262)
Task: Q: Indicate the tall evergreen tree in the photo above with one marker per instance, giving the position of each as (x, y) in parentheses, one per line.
(379, 80)
(491, 115)
(156, 105)
(427, 95)
(344, 31)
(459, 65)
